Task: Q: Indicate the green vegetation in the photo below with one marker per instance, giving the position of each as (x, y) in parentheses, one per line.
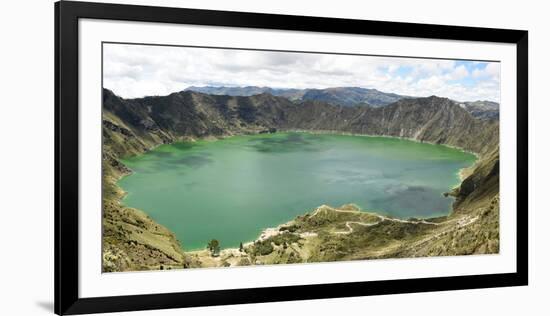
(290, 228)
(214, 247)
(262, 248)
(285, 238)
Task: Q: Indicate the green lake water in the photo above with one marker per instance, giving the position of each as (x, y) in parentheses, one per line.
(232, 189)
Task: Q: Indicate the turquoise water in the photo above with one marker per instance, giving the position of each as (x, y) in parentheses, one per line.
(231, 189)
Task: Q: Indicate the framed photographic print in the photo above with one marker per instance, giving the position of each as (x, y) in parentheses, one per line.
(209, 157)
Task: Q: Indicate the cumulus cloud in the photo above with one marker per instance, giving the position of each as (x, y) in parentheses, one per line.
(492, 71)
(139, 70)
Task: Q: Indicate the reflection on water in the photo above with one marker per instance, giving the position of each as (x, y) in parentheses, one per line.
(286, 143)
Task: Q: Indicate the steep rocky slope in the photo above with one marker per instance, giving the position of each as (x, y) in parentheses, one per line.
(432, 119)
(192, 114)
(132, 241)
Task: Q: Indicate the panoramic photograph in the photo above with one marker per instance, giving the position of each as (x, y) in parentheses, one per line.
(225, 157)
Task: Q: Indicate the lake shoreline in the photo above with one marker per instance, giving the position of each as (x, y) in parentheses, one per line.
(460, 173)
(305, 239)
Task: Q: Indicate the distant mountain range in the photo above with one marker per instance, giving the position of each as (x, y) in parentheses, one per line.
(244, 91)
(486, 110)
(344, 96)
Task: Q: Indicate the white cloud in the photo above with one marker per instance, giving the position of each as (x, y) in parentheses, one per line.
(140, 70)
(492, 70)
(458, 73)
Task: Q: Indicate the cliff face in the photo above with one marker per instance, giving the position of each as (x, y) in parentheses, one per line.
(435, 120)
(133, 126)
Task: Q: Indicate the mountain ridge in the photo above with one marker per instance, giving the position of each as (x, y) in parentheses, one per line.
(483, 109)
(134, 126)
(430, 119)
(346, 96)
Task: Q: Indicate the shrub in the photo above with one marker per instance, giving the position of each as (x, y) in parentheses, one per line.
(291, 228)
(263, 248)
(285, 238)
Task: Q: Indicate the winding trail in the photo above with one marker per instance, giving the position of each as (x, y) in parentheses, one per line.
(381, 217)
(350, 229)
(448, 226)
(460, 222)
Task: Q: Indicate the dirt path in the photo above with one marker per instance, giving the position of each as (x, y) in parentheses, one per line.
(460, 223)
(381, 217)
(384, 218)
(350, 229)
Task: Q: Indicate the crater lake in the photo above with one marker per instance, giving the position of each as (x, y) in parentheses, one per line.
(231, 189)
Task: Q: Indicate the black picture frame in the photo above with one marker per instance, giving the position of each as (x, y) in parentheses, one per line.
(67, 15)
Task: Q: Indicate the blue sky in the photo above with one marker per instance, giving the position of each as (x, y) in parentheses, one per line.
(461, 80)
(470, 67)
(137, 70)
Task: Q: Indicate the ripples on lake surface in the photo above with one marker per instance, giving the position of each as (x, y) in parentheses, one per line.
(231, 189)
